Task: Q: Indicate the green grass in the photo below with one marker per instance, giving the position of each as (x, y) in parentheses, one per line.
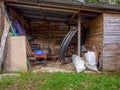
(62, 81)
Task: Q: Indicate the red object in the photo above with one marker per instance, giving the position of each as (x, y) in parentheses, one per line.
(44, 56)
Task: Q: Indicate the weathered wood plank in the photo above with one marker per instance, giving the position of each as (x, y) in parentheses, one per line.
(111, 68)
(111, 43)
(3, 40)
(95, 36)
(1, 18)
(56, 29)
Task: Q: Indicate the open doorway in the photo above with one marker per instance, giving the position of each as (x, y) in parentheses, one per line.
(46, 28)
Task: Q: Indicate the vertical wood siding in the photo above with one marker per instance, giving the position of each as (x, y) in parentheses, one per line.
(1, 18)
(95, 36)
(111, 42)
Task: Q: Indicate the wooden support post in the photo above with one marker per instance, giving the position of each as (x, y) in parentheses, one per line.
(22, 21)
(79, 35)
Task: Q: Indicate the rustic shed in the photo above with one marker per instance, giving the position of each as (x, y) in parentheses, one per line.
(50, 20)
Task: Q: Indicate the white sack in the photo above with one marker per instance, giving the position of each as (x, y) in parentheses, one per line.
(91, 61)
(79, 63)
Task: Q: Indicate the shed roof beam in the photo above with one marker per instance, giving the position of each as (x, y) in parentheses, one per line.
(49, 18)
(44, 8)
(72, 18)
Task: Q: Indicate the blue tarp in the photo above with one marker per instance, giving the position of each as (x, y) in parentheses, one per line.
(38, 52)
(18, 28)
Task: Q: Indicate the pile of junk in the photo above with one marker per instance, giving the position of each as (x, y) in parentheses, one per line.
(86, 61)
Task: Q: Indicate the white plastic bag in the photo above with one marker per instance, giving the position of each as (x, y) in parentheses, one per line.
(91, 61)
(79, 63)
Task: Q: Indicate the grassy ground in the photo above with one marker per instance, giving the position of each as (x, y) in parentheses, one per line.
(62, 81)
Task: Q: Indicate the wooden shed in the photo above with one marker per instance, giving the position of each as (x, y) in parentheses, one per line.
(50, 20)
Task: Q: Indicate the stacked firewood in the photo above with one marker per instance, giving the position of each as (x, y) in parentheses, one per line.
(29, 50)
(70, 50)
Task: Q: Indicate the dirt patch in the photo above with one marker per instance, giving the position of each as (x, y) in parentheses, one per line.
(55, 66)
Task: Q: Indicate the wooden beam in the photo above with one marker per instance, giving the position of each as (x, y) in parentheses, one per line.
(72, 18)
(42, 4)
(79, 35)
(56, 6)
(62, 7)
(22, 20)
(38, 32)
(46, 35)
(44, 8)
(42, 12)
(48, 18)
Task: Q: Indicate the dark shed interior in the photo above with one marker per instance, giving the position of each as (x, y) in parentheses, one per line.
(45, 24)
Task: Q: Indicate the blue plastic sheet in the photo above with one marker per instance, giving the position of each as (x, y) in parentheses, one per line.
(18, 28)
(38, 52)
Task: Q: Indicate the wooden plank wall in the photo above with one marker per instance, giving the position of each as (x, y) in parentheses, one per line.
(48, 29)
(53, 45)
(95, 36)
(49, 34)
(1, 18)
(111, 43)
